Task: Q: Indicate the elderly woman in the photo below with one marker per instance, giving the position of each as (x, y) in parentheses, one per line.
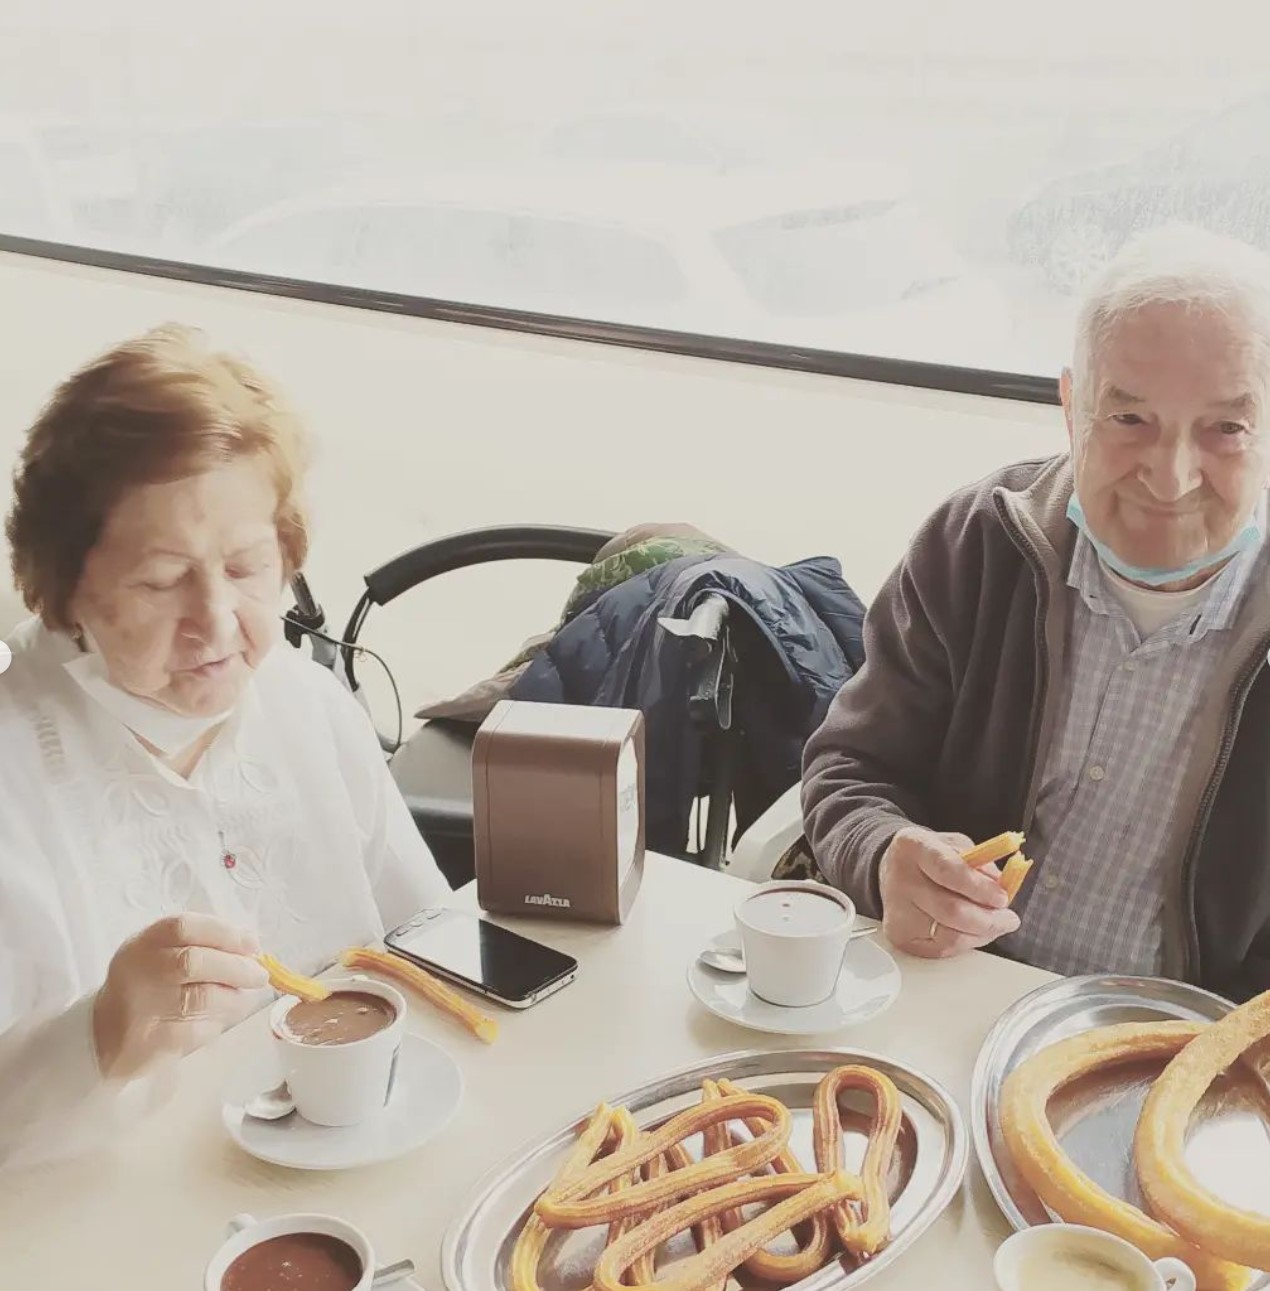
(175, 793)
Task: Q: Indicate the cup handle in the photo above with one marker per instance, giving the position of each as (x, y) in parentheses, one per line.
(1176, 1275)
(238, 1223)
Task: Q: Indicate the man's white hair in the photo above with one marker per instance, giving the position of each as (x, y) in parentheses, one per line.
(1174, 264)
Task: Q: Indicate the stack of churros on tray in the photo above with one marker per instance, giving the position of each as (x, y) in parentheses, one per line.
(645, 1188)
(1221, 1243)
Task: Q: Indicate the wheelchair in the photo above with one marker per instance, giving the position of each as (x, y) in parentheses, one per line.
(433, 765)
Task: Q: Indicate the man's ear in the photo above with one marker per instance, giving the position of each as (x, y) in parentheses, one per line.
(1065, 393)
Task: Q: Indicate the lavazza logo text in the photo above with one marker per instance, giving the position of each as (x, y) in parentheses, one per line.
(547, 899)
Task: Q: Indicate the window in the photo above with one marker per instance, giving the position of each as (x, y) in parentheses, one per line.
(29, 204)
(502, 257)
(910, 180)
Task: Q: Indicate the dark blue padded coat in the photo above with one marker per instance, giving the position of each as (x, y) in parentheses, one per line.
(797, 632)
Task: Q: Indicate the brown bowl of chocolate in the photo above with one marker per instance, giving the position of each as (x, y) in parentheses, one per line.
(295, 1252)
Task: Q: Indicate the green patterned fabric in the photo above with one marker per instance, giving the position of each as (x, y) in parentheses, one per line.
(636, 559)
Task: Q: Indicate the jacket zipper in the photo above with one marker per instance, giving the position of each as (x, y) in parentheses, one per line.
(1190, 858)
(1041, 693)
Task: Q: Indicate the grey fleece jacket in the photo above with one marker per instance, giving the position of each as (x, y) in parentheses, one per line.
(948, 723)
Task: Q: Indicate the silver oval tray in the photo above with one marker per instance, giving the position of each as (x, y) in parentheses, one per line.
(929, 1165)
(1229, 1141)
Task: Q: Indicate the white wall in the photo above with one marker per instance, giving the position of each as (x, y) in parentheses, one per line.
(423, 428)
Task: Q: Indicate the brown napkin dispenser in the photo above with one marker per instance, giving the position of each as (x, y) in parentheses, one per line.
(558, 810)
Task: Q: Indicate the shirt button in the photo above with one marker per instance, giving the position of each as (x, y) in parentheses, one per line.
(1129, 666)
(1051, 882)
(1096, 773)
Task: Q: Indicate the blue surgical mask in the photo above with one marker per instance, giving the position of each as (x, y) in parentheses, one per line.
(1248, 536)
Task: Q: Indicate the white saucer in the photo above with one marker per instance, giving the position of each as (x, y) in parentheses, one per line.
(869, 983)
(427, 1093)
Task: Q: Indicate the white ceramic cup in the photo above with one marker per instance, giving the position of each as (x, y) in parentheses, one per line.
(341, 1084)
(245, 1232)
(794, 936)
(1056, 1247)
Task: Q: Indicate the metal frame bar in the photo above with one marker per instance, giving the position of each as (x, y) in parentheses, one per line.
(856, 367)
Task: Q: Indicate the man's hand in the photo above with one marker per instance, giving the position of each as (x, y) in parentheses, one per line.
(926, 887)
(172, 989)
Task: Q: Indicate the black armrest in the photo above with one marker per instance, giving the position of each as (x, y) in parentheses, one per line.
(479, 547)
(461, 551)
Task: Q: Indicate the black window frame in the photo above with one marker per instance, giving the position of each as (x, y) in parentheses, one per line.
(857, 367)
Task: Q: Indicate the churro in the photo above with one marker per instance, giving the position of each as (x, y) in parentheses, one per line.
(527, 1253)
(814, 1248)
(714, 1139)
(1013, 873)
(868, 1231)
(288, 982)
(648, 1190)
(434, 991)
(705, 1233)
(580, 1203)
(1055, 1178)
(993, 850)
(1168, 1184)
(804, 1195)
(625, 1132)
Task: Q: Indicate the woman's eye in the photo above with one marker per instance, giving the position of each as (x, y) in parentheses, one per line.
(156, 586)
(1128, 419)
(1232, 428)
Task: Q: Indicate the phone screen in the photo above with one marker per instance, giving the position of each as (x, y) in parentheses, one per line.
(473, 950)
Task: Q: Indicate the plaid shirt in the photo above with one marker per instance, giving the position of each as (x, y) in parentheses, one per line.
(1107, 896)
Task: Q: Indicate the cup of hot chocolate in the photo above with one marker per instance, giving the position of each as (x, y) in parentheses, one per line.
(304, 1252)
(794, 936)
(339, 1055)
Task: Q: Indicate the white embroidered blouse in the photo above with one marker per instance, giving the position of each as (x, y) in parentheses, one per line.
(289, 825)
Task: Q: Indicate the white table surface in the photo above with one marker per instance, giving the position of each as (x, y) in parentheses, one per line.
(147, 1216)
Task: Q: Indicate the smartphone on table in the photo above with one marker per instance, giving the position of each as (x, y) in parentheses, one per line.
(493, 961)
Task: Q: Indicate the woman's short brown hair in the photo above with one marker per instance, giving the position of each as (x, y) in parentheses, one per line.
(158, 408)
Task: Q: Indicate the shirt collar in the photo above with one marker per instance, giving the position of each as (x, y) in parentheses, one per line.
(1216, 612)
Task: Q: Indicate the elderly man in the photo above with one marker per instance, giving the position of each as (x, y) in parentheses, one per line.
(1077, 648)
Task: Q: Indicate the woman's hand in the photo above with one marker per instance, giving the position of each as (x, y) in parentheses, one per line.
(927, 888)
(172, 989)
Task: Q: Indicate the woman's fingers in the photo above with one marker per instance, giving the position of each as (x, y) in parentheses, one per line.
(205, 930)
(198, 964)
